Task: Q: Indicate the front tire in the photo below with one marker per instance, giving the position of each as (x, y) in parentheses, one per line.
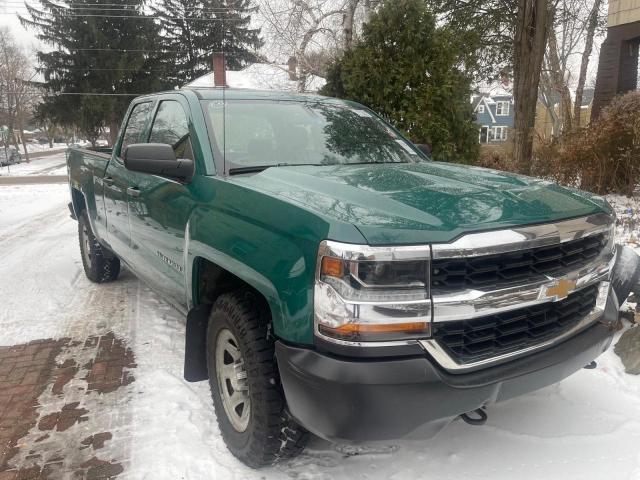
(99, 265)
(245, 385)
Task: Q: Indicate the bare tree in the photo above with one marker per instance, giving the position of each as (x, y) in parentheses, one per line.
(348, 20)
(532, 26)
(18, 93)
(311, 29)
(571, 37)
(592, 23)
(557, 79)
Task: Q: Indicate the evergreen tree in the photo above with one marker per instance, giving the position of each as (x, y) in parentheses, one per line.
(412, 73)
(192, 30)
(103, 54)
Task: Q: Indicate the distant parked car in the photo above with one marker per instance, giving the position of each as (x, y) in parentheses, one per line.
(14, 155)
(9, 156)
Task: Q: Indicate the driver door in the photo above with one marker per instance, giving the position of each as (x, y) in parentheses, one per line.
(159, 207)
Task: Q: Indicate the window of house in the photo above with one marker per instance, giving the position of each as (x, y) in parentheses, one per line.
(171, 126)
(502, 108)
(135, 125)
(480, 108)
(500, 134)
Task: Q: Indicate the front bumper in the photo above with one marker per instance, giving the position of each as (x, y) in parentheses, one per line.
(367, 400)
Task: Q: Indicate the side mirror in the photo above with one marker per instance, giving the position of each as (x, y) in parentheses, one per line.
(157, 159)
(424, 148)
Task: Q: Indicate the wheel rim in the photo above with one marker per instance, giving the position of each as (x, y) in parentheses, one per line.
(86, 242)
(232, 380)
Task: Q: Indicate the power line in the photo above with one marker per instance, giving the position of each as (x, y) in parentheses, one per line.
(112, 9)
(98, 4)
(91, 69)
(54, 94)
(151, 17)
(106, 6)
(134, 50)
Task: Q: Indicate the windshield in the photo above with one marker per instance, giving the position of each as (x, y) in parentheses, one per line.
(262, 133)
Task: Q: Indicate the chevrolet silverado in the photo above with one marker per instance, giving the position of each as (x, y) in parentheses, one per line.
(335, 279)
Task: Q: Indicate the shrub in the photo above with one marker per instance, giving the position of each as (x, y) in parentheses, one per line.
(602, 158)
(496, 159)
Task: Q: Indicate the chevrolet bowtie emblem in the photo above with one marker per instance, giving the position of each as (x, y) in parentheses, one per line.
(560, 289)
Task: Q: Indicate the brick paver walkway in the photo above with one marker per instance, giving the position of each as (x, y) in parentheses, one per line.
(64, 409)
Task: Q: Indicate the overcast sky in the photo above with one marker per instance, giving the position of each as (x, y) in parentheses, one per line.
(9, 19)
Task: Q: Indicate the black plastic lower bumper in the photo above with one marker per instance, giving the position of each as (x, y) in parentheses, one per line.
(365, 400)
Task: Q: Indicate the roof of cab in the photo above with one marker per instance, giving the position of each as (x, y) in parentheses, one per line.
(218, 93)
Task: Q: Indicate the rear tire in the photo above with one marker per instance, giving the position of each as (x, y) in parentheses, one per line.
(260, 432)
(99, 265)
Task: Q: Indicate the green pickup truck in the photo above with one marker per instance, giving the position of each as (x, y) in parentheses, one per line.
(335, 279)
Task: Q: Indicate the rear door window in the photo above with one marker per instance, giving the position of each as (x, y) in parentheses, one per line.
(135, 125)
(172, 127)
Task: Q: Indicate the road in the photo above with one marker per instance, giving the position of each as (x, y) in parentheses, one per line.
(161, 427)
(49, 165)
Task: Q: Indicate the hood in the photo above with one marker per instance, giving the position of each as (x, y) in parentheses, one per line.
(426, 202)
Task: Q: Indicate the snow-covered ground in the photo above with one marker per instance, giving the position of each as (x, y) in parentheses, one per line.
(586, 427)
(39, 147)
(44, 147)
(49, 165)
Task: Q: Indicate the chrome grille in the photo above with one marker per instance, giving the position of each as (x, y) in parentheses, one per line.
(514, 268)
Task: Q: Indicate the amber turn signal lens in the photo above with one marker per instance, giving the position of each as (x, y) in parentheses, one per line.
(332, 267)
(376, 331)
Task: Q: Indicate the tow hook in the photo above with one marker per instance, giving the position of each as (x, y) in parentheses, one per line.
(475, 417)
(591, 366)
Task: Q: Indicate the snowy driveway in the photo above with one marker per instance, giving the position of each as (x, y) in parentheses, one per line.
(160, 427)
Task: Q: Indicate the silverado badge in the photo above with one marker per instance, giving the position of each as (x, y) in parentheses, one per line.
(559, 289)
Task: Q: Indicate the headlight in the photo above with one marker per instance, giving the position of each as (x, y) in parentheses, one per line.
(369, 294)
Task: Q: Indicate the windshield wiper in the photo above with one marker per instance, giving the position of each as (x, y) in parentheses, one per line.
(260, 168)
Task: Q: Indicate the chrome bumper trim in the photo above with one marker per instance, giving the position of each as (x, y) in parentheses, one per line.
(522, 238)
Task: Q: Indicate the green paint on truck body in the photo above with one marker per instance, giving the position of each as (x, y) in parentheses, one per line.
(265, 227)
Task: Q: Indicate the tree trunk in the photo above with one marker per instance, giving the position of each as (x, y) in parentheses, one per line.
(24, 144)
(592, 23)
(547, 100)
(347, 24)
(300, 55)
(559, 82)
(369, 6)
(532, 25)
(113, 134)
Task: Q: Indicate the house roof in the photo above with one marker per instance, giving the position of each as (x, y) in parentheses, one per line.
(261, 76)
(495, 89)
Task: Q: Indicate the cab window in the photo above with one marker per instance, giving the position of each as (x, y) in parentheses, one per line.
(135, 125)
(171, 126)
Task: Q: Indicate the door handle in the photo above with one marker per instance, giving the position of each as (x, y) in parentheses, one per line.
(133, 191)
(107, 180)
